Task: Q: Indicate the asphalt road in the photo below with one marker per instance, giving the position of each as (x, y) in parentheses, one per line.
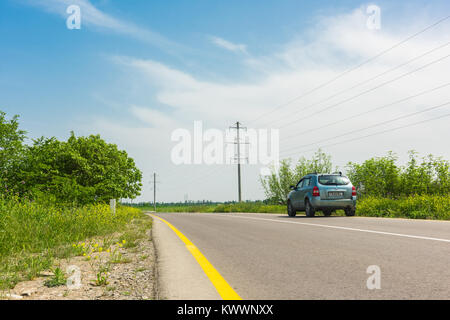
(272, 256)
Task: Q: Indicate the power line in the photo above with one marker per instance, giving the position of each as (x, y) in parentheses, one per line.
(368, 80)
(374, 134)
(351, 69)
(316, 128)
(366, 91)
(379, 124)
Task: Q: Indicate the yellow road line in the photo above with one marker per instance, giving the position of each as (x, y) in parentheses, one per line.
(222, 287)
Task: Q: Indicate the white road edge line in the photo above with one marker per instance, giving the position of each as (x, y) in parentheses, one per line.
(341, 228)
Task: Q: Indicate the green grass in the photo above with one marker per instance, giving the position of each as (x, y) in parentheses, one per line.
(33, 234)
(414, 207)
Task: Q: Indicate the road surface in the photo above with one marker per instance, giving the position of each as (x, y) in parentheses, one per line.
(272, 256)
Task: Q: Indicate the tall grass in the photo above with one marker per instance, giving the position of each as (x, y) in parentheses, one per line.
(32, 233)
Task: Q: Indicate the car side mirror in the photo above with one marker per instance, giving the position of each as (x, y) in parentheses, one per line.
(292, 187)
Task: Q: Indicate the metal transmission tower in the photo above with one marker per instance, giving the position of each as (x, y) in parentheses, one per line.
(154, 189)
(238, 158)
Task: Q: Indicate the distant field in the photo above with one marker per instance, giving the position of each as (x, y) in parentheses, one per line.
(414, 207)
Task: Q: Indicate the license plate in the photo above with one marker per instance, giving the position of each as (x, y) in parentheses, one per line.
(335, 194)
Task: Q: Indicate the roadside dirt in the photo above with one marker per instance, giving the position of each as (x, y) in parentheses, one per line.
(122, 271)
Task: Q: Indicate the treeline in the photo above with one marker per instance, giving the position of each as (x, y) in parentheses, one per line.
(376, 177)
(81, 170)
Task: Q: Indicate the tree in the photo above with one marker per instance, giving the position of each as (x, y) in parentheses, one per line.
(276, 185)
(431, 176)
(11, 151)
(109, 170)
(382, 177)
(320, 163)
(377, 176)
(82, 170)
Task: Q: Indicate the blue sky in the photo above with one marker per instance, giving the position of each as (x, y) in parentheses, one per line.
(216, 61)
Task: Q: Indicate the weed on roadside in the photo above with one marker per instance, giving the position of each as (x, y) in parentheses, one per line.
(102, 276)
(58, 279)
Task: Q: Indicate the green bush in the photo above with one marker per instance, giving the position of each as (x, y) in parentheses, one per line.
(81, 170)
(415, 207)
(382, 177)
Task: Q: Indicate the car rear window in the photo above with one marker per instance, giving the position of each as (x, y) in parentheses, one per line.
(333, 180)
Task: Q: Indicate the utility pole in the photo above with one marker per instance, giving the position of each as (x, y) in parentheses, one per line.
(154, 189)
(238, 142)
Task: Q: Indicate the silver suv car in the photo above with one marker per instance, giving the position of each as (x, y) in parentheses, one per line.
(322, 192)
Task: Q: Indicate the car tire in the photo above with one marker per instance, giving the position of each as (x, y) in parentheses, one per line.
(350, 212)
(291, 210)
(327, 213)
(309, 209)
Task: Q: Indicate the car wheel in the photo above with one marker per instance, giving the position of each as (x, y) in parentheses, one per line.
(349, 212)
(291, 210)
(327, 213)
(309, 209)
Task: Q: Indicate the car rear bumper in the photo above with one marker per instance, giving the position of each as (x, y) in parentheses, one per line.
(318, 203)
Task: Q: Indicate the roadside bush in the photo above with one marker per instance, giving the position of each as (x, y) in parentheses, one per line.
(415, 207)
(81, 170)
(382, 177)
(376, 177)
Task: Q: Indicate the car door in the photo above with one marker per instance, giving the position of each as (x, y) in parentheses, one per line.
(306, 185)
(296, 194)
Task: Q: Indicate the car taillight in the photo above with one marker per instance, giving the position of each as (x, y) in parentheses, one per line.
(353, 191)
(316, 192)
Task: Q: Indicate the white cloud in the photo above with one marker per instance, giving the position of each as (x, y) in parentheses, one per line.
(227, 45)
